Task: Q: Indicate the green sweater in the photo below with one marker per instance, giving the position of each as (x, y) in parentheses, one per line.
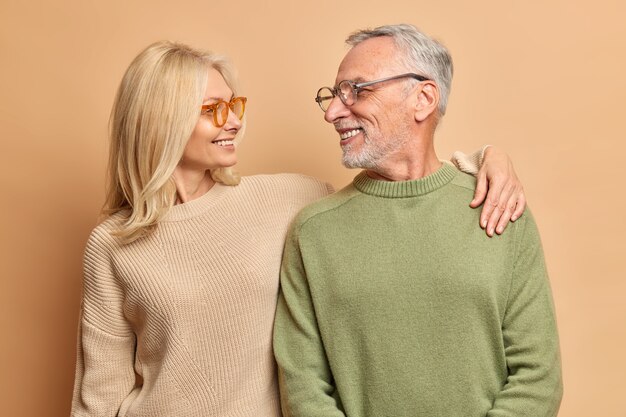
(395, 303)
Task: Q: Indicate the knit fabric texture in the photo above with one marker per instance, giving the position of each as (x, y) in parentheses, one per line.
(471, 163)
(179, 323)
(395, 303)
(190, 308)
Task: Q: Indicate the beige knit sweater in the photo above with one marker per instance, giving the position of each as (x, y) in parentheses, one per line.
(190, 309)
(180, 323)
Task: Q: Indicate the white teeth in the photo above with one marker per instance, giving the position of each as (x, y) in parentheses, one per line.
(349, 133)
(224, 142)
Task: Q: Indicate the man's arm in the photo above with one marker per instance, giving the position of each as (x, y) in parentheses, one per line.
(534, 386)
(306, 383)
(497, 187)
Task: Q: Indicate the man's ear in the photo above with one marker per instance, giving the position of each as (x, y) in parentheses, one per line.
(427, 100)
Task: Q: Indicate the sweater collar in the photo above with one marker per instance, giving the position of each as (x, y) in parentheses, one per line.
(198, 206)
(404, 189)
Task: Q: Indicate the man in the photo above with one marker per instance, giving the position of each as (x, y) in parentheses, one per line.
(393, 303)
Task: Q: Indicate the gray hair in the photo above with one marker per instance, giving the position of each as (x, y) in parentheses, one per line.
(421, 54)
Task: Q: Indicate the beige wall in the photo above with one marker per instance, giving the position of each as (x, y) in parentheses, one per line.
(543, 79)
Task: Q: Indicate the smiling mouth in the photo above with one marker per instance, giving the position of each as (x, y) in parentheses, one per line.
(226, 142)
(348, 134)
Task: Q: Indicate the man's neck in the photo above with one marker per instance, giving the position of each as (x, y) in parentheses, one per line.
(419, 164)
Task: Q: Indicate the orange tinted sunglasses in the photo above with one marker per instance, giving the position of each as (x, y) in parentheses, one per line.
(219, 110)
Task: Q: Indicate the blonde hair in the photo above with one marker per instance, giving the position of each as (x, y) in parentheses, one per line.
(154, 113)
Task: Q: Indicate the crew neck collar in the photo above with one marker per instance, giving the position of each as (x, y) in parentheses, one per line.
(405, 189)
(198, 206)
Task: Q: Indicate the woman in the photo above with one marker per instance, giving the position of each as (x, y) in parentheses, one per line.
(181, 279)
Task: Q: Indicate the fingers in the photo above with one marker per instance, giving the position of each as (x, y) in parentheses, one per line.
(492, 201)
(509, 207)
(481, 190)
(492, 209)
(500, 206)
(520, 206)
(500, 192)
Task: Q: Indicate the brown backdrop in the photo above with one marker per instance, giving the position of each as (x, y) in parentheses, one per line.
(543, 80)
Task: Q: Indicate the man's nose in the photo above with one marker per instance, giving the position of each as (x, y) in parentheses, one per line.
(336, 110)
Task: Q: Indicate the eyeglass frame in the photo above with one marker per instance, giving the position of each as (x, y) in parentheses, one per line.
(358, 87)
(229, 106)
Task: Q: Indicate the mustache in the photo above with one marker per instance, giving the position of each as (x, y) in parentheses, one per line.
(346, 125)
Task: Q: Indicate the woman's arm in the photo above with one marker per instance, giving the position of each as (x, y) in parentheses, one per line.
(106, 344)
(497, 187)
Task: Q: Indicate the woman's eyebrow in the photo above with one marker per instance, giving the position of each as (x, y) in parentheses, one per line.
(218, 98)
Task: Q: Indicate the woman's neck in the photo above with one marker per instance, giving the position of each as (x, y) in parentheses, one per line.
(191, 184)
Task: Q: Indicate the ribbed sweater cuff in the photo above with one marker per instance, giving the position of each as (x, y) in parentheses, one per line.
(471, 163)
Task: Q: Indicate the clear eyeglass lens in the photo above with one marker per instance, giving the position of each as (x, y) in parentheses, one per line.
(222, 113)
(346, 93)
(237, 108)
(324, 97)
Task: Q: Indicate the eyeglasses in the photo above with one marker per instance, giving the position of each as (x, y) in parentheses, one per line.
(348, 90)
(219, 110)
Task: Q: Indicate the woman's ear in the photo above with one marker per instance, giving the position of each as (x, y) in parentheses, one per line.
(427, 100)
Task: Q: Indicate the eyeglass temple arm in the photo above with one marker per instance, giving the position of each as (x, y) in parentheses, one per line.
(395, 77)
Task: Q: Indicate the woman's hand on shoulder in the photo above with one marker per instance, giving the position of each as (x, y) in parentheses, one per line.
(499, 188)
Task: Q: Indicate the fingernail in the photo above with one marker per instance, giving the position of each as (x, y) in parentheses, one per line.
(513, 218)
(491, 231)
(500, 229)
(484, 223)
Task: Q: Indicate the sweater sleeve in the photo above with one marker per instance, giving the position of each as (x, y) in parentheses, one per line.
(534, 386)
(306, 383)
(470, 164)
(106, 344)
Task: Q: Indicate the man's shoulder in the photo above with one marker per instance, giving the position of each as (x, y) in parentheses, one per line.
(464, 186)
(319, 209)
(464, 181)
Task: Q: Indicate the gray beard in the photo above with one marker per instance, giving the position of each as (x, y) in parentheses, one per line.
(365, 159)
(371, 154)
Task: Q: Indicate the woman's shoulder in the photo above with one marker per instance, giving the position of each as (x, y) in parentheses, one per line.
(293, 183)
(103, 235)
